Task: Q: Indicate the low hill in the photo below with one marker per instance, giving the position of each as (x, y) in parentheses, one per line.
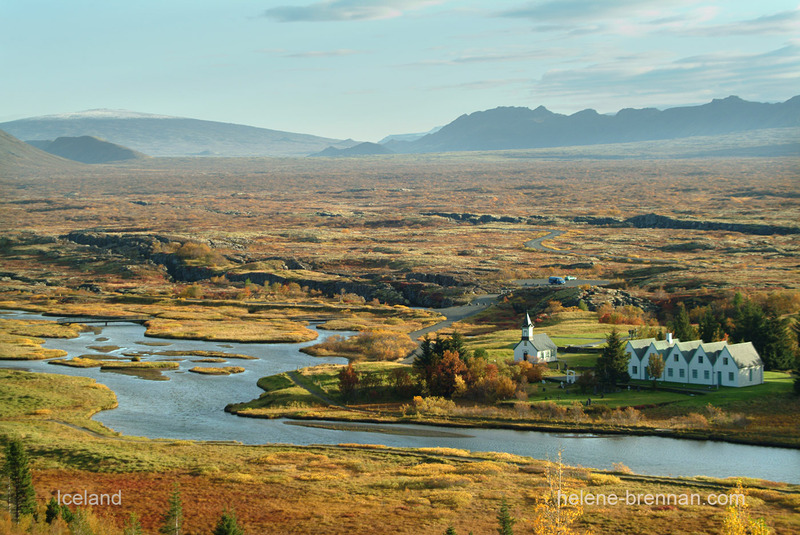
(362, 149)
(17, 157)
(523, 128)
(87, 149)
(160, 135)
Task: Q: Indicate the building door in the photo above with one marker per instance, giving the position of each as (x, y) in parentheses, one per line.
(719, 378)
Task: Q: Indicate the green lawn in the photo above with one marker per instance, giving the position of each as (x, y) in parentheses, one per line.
(777, 384)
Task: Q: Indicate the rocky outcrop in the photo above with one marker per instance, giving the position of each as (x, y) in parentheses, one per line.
(416, 289)
(479, 219)
(596, 296)
(660, 221)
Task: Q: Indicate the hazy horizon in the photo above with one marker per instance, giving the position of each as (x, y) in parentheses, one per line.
(366, 70)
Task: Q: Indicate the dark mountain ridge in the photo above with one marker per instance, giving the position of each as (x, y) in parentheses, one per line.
(18, 157)
(87, 149)
(523, 128)
(362, 149)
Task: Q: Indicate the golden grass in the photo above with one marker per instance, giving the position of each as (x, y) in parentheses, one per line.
(231, 330)
(226, 370)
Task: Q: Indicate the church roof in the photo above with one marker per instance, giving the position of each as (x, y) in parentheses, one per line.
(528, 322)
(540, 342)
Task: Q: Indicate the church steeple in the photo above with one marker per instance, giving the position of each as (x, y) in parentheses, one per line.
(527, 327)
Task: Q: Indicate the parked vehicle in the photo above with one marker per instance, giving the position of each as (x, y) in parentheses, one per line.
(556, 280)
(570, 278)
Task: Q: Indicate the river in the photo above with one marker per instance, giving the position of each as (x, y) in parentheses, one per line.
(190, 406)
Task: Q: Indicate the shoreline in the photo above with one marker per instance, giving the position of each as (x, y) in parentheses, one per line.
(538, 427)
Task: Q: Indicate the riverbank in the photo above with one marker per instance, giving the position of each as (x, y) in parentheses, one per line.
(764, 416)
(274, 486)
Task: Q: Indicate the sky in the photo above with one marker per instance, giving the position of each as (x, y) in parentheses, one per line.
(365, 69)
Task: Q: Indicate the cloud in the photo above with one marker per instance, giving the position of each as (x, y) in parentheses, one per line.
(323, 53)
(785, 22)
(483, 84)
(513, 56)
(646, 79)
(571, 11)
(346, 10)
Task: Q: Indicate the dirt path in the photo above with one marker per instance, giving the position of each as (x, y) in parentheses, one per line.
(293, 376)
(452, 315)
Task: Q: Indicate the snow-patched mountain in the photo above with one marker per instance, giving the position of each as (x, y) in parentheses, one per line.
(161, 135)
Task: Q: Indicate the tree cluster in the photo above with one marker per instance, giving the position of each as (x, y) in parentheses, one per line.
(445, 368)
(741, 319)
(612, 366)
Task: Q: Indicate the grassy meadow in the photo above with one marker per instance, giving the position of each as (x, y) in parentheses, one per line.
(354, 489)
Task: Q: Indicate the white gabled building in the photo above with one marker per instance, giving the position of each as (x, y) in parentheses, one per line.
(696, 362)
(534, 347)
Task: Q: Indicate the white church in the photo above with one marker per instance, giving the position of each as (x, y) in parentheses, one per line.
(534, 347)
(697, 362)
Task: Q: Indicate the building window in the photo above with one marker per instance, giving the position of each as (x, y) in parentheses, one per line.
(669, 372)
(701, 359)
(694, 374)
(751, 374)
(725, 361)
(676, 358)
(730, 376)
(635, 370)
(706, 374)
(680, 373)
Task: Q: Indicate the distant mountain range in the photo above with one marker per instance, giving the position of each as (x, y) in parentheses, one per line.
(87, 149)
(159, 135)
(523, 128)
(362, 149)
(18, 157)
(497, 129)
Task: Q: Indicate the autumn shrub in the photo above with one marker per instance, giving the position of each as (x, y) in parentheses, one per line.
(575, 412)
(432, 405)
(628, 315)
(626, 416)
(599, 480)
(621, 468)
(690, 421)
(532, 373)
(549, 410)
(371, 345)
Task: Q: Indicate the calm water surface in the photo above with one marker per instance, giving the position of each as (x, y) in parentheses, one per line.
(190, 406)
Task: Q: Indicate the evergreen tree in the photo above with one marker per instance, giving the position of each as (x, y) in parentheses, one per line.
(52, 512)
(681, 326)
(504, 520)
(776, 344)
(21, 497)
(797, 376)
(426, 360)
(132, 526)
(748, 322)
(172, 522)
(796, 329)
(227, 525)
(450, 531)
(66, 514)
(612, 366)
(710, 329)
